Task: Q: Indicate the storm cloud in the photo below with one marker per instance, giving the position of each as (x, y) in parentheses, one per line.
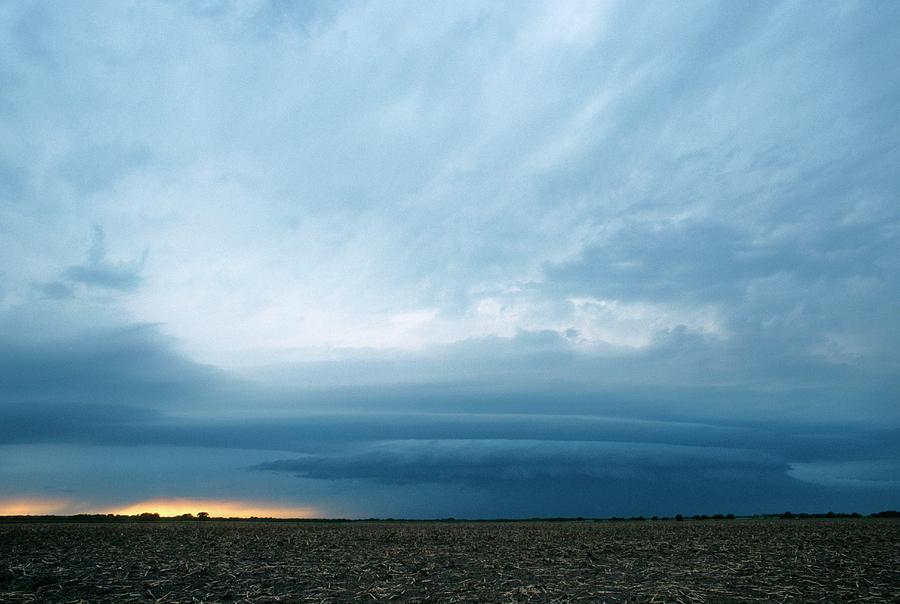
(575, 258)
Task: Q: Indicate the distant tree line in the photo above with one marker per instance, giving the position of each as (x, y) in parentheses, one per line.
(886, 514)
(204, 516)
(789, 515)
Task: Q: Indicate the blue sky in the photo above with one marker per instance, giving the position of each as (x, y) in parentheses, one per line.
(451, 259)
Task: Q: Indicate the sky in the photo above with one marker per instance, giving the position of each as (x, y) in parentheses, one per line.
(470, 259)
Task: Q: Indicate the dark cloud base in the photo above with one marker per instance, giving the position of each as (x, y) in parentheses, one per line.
(470, 449)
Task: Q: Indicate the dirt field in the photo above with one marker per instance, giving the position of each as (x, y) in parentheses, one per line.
(691, 561)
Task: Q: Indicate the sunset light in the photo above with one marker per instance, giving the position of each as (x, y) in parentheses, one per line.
(217, 509)
(27, 506)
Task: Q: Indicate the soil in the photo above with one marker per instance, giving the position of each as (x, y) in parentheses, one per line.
(661, 561)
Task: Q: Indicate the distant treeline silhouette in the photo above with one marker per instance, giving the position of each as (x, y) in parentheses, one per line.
(204, 516)
(887, 514)
(789, 515)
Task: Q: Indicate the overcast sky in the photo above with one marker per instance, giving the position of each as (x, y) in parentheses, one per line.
(469, 259)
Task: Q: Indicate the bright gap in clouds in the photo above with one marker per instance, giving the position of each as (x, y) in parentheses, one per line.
(218, 509)
(163, 507)
(36, 506)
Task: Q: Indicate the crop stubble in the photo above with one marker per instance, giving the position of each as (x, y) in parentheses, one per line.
(691, 561)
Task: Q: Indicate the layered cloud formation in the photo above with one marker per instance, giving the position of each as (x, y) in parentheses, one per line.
(571, 258)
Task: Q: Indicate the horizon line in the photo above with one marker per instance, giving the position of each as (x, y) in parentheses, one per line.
(149, 517)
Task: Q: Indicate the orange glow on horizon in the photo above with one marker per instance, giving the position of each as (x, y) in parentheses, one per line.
(216, 508)
(34, 506)
(37, 506)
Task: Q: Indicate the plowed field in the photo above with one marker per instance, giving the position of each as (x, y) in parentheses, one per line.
(665, 561)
